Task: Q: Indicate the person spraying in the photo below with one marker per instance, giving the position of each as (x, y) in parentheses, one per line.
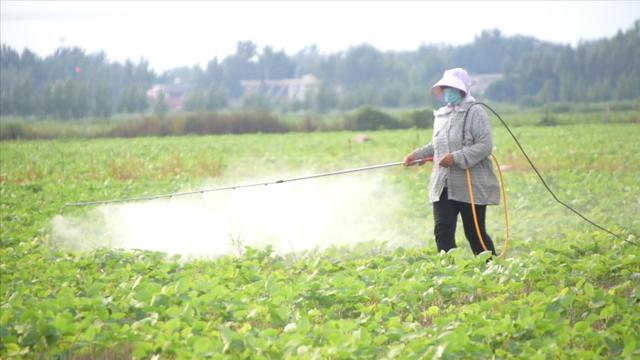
(459, 144)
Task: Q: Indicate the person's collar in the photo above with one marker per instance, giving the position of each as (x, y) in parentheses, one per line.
(450, 108)
(443, 110)
(462, 107)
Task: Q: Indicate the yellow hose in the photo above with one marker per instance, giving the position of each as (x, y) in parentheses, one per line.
(506, 212)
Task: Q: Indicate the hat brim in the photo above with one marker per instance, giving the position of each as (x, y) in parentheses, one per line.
(449, 81)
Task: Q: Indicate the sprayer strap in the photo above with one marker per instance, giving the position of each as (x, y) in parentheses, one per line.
(464, 122)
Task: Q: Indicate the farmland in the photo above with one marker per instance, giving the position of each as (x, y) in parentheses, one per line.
(565, 290)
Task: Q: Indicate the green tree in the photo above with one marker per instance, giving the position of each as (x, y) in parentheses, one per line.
(216, 99)
(240, 66)
(194, 101)
(367, 118)
(256, 102)
(324, 99)
(275, 65)
(161, 108)
(101, 101)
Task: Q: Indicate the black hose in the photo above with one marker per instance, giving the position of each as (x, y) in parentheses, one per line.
(555, 197)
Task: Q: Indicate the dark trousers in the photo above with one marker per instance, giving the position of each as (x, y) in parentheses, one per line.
(446, 212)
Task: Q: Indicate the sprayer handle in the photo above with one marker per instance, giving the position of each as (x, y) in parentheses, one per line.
(421, 161)
(424, 160)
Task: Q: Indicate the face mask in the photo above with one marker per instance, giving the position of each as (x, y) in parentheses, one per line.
(451, 96)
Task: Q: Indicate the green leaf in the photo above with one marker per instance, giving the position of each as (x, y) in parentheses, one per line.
(280, 314)
(233, 342)
(203, 345)
(630, 344)
(142, 349)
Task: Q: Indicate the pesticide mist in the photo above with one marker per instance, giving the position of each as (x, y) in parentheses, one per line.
(290, 217)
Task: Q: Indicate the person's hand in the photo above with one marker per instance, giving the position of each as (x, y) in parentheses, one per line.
(412, 159)
(447, 160)
(409, 159)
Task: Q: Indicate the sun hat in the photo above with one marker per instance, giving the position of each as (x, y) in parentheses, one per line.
(455, 78)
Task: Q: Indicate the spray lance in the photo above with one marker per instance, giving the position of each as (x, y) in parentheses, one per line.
(242, 186)
(380, 166)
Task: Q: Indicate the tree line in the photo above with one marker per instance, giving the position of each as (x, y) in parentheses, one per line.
(602, 70)
(73, 84)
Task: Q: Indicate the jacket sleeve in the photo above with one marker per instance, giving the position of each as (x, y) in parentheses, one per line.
(424, 151)
(480, 128)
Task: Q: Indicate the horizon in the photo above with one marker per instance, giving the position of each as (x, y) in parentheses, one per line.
(43, 27)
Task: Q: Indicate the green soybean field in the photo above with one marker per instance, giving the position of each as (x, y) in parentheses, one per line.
(564, 290)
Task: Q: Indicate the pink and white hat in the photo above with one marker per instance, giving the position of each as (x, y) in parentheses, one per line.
(455, 78)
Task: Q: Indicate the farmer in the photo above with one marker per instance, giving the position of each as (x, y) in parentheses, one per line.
(452, 154)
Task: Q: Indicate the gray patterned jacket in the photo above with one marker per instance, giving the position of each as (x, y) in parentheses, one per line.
(474, 154)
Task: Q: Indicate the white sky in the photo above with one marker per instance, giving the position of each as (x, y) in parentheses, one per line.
(171, 34)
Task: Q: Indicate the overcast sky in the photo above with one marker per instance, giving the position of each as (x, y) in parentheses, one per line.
(172, 34)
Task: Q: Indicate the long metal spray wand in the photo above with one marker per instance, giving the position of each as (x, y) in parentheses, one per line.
(202, 191)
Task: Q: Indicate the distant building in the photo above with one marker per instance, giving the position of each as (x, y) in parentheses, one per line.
(283, 90)
(480, 83)
(174, 94)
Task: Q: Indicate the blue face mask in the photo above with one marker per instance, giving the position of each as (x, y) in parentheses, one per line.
(451, 96)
